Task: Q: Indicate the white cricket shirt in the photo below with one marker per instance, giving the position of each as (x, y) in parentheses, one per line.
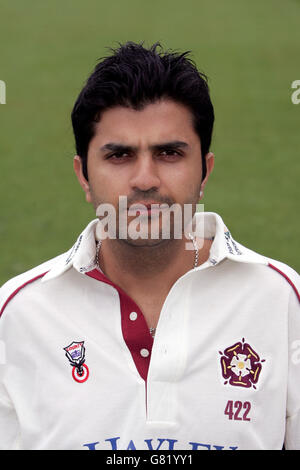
(80, 370)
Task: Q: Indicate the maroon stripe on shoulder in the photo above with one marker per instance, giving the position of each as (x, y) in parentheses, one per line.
(18, 289)
(287, 278)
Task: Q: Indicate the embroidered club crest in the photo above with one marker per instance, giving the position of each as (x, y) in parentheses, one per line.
(75, 352)
(241, 365)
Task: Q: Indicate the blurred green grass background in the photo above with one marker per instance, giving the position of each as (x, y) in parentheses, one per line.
(250, 52)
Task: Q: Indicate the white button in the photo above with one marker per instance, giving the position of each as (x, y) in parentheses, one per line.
(144, 352)
(133, 316)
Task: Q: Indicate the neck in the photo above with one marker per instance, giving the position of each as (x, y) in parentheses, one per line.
(147, 273)
(147, 265)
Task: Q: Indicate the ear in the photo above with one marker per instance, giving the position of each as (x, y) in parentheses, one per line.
(210, 162)
(77, 165)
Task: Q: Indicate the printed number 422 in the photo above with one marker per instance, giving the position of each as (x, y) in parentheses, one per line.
(234, 409)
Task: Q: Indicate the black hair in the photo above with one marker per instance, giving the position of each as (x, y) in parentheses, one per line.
(134, 76)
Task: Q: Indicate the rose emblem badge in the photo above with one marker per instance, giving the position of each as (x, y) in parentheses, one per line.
(241, 365)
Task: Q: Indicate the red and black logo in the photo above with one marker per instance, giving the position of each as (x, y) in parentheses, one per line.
(75, 353)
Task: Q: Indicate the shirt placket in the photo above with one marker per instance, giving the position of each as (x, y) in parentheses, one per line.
(135, 331)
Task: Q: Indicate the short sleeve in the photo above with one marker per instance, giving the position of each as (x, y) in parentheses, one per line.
(292, 436)
(9, 429)
(9, 426)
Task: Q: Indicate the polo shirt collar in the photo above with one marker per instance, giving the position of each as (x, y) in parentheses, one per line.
(224, 246)
(82, 255)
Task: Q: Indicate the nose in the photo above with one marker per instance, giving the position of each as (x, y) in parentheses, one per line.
(145, 174)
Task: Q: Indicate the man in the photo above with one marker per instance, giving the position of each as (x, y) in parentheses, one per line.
(136, 342)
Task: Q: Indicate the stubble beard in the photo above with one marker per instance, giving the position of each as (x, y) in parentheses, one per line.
(154, 229)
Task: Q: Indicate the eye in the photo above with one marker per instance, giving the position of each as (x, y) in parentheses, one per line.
(170, 154)
(118, 156)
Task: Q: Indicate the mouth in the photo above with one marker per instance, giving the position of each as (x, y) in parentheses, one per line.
(147, 208)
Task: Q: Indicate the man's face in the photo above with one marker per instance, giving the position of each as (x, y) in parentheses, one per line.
(149, 156)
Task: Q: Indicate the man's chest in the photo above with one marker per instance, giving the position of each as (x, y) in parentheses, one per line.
(207, 377)
(217, 367)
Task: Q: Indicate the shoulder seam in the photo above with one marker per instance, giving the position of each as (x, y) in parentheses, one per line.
(15, 292)
(287, 279)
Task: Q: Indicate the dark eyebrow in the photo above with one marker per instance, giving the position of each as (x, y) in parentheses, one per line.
(172, 144)
(116, 147)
